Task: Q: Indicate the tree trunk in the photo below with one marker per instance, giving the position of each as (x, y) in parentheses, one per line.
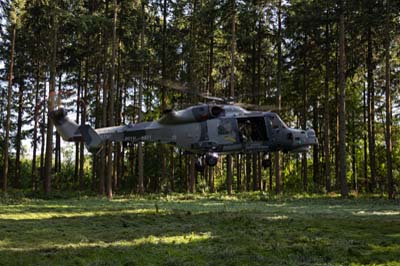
(97, 123)
(255, 172)
(371, 112)
(229, 174)
(192, 174)
(117, 178)
(211, 179)
(271, 180)
(19, 136)
(162, 147)
(102, 162)
(57, 152)
(239, 172)
(354, 159)
(35, 131)
(210, 84)
(8, 116)
(140, 100)
(342, 106)
(210, 80)
(43, 137)
(337, 160)
(365, 137)
(388, 105)
(327, 151)
(248, 171)
(82, 103)
(304, 166)
(78, 107)
(49, 136)
(259, 171)
(124, 145)
(278, 177)
(172, 169)
(111, 106)
(316, 148)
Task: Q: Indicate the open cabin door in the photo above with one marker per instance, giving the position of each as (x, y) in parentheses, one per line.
(252, 129)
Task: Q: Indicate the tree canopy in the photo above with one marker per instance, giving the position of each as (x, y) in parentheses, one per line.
(330, 65)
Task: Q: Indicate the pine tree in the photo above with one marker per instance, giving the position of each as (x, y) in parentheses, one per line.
(342, 110)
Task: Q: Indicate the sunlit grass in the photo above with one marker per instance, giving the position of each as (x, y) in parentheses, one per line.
(53, 214)
(154, 240)
(245, 229)
(379, 213)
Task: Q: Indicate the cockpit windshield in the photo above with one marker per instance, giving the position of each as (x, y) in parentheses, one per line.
(277, 122)
(232, 109)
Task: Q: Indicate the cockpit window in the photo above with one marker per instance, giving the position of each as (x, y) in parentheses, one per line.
(277, 122)
(282, 123)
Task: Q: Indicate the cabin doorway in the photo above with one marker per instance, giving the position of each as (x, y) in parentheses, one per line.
(252, 129)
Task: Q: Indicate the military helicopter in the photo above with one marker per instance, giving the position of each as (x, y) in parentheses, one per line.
(206, 130)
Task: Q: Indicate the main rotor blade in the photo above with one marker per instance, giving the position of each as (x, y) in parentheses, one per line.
(256, 107)
(170, 84)
(175, 85)
(212, 98)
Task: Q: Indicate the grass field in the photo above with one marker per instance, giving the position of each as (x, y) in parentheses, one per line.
(200, 230)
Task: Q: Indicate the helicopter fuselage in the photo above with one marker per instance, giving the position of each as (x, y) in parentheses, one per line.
(199, 129)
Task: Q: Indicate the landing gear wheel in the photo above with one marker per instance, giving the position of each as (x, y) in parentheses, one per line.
(211, 159)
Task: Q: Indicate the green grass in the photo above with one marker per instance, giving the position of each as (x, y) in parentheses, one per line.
(249, 229)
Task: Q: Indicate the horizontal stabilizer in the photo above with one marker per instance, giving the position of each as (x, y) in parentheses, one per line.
(91, 138)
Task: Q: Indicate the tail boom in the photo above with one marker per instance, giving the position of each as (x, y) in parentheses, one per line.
(67, 128)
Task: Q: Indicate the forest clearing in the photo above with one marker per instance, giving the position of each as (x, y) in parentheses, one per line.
(176, 176)
(330, 67)
(246, 229)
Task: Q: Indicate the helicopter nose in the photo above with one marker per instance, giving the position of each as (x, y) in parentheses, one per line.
(302, 137)
(311, 138)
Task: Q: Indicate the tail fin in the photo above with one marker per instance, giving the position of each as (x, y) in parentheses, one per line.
(67, 128)
(91, 138)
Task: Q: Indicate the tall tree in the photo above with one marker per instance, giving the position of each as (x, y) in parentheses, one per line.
(229, 174)
(43, 139)
(342, 103)
(304, 163)
(9, 95)
(278, 93)
(51, 102)
(388, 104)
(371, 103)
(78, 108)
(82, 103)
(35, 129)
(162, 147)
(210, 78)
(326, 106)
(15, 13)
(18, 137)
(140, 100)
(111, 99)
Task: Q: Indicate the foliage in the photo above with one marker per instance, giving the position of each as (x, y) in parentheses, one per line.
(190, 41)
